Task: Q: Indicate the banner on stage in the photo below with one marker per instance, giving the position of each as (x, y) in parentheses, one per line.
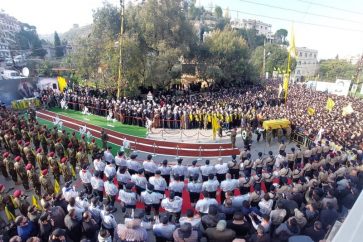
(276, 123)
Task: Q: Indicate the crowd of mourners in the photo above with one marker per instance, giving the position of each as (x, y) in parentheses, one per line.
(104, 195)
(233, 108)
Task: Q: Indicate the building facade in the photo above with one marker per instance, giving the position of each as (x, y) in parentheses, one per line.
(307, 63)
(260, 27)
(9, 26)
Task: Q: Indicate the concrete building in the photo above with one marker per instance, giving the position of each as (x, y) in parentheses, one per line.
(261, 27)
(307, 63)
(9, 26)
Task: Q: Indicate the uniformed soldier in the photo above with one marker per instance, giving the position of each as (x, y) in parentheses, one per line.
(86, 176)
(21, 202)
(71, 152)
(258, 164)
(211, 185)
(9, 162)
(34, 179)
(54, 166)
(206, 170)
(291, 158)
(83, 143)
(280, 134)
(21, 149)
(20, 170)
(43, 141)
(307, 154)
(51, 143)
(41, 158)
(81, 157)
(93, 148)
(247, 164)
(14, 146)
(4, 172)
(46, 182)
(65, 170)
(152, 200)
(194, 169)
(245, 183)
(54, 134)
(74, 141)
(59, 148)
(195, 188)
(233, 166)
(65, 139)
(29, 154)
(104, 138)
(35, 138)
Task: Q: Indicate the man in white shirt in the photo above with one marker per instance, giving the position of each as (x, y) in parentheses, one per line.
(202, 205)
(86, 176)
(206, 170)
(99, 165)
(123, 177)
(228, 185)
(149, 166)
(97, 185)
(158, 182)
(128, 199)
(69, 191)
(108, 156)
(221, 170)
(180, 170)
(211, 186)
(194, 169)
(173, 205)
(165, 171)
(195, 188)
(151, 200)
(177, 186)
(140, 181)
(111, 192)
(110, 170)
(120, 160)
(133, 164)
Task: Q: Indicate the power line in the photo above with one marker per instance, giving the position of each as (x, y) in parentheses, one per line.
(302, 12)
(301, 22)
(332, 7)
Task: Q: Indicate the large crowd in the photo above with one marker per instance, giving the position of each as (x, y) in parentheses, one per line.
(249, 106)
(286, 193)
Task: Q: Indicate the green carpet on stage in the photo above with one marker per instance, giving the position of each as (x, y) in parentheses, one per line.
(102, 122)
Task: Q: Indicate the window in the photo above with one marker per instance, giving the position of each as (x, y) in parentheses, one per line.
(306, 55)
(314, 55)
(299, 63)
(55, 86)
(300, 53)
(310, 55)
(298, 72)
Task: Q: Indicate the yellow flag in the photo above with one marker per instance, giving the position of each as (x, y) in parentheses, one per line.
(9, 215)
(285, 85)
(330, 104)
(311, 111)
(62, 83)
(292, 47)
(12, 201)
(35, 202)
(56, 187)
(73, 171)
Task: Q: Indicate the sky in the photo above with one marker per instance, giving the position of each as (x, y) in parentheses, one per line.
(338, 31)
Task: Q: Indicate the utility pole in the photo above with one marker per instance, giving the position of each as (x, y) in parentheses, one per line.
(264, 59)
(119, 80)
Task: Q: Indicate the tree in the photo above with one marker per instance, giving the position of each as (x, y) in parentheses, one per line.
(57, 45)
(218, 12)
(28, 39)
(276, 58)
(229, 52)
(280, 37)
(334, 68)
(253, 40)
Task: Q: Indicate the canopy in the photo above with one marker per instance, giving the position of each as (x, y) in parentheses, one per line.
(276, 123)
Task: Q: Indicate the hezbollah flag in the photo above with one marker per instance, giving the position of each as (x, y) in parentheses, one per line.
(330, 104)
(285, 85)
(347, 110)
(35, 202)
(215, 126)
(62, 83)
(56, 187)
(311, 111)
(9, 215)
